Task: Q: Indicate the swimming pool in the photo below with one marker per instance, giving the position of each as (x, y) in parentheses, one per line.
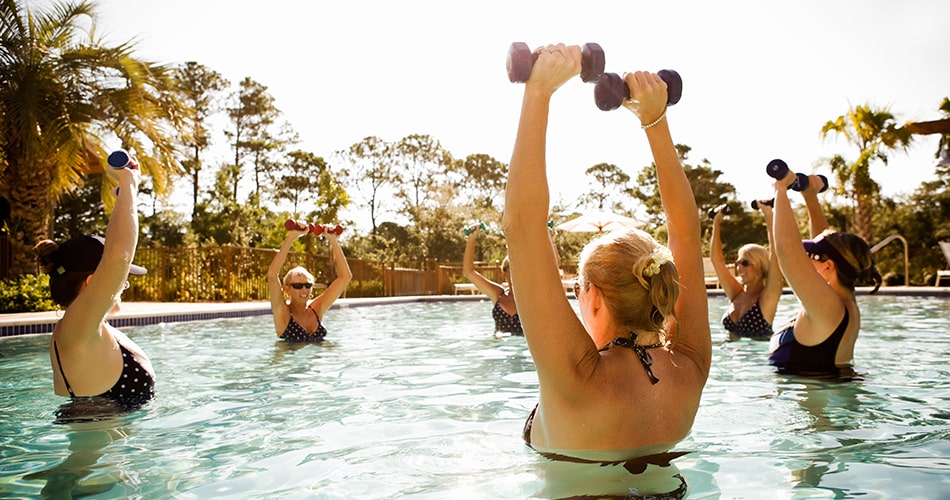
(420, 400)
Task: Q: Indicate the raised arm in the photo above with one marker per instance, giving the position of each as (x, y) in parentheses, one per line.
(274, 286)
(770, 296)
(729, 283)
(484, 285)
(648, 101)
(817, 222)
(823, 308)
(555, 336)
(343, 276)
(82, 318)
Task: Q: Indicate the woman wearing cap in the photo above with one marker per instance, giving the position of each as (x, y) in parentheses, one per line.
(822, 271)
(91, 358)
(755, 289)
(297, 317)
(505, 310)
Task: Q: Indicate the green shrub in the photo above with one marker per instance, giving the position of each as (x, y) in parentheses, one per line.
(28, 293)
(373, 288)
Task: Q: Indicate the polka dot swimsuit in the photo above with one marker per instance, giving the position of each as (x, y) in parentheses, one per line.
(751, 324)
(505, 322)
(295, 332)
(135, 386)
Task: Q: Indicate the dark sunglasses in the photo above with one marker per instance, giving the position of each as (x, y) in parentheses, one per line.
(743, 262)
(298, 286)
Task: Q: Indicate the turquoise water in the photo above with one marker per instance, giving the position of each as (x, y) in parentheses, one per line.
(420, 400)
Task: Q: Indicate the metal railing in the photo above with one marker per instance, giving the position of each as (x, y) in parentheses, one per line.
(889, 239)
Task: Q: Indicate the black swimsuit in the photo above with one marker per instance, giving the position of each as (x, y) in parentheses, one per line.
(791, 357)
(297, 333)
(135, 387)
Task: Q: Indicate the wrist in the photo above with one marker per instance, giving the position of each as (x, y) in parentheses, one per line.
(654, 123)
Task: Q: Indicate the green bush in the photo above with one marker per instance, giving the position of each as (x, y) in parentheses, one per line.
(28, 293)
(371, 288)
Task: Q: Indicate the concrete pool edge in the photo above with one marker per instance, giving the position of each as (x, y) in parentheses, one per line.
(151, 313)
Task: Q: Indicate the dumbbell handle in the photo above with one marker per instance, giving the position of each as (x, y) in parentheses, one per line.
(521, 60)
(724, 208)
(778, 169)
(756, 204)
(611, 90)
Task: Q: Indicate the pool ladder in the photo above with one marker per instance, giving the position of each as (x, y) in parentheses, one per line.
(889, 239)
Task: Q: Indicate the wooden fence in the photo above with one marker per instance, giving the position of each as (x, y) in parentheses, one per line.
(232, 274)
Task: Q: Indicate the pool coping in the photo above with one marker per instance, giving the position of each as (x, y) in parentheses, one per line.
(151, 313)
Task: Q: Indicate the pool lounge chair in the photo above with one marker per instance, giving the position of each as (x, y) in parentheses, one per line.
(945, 273)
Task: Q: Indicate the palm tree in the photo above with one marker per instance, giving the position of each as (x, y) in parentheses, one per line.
(65, 96)
(875, 132)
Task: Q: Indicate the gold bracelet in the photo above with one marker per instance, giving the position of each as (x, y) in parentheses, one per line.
(658, 120)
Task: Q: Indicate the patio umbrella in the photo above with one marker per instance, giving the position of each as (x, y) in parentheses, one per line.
(598, 222)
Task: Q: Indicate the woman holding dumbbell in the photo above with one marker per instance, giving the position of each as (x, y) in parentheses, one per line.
(822, 271)
(755, 288)
(505, 310)
(628, 379)
(297, 317)
(95, 364)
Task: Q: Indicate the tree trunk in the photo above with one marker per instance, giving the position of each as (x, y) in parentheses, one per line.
(862, 217)
(30, 208)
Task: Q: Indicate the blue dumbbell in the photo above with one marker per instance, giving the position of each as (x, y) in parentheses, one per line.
(119, 159)
(778, 169)
(611, 90)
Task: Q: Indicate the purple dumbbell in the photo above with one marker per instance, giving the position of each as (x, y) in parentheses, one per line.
(521, 60)
(778, 169)
(611, 90)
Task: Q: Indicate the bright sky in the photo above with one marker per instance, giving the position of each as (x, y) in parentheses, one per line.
(760, 78)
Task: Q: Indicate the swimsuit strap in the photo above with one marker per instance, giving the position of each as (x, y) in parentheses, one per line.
(645, 358)
(61, 372)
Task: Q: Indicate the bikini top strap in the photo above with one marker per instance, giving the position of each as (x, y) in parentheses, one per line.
(61, 372)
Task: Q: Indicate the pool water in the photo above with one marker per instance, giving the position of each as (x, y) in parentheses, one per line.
(421, 400)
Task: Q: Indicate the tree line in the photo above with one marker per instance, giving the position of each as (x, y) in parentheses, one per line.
(64, 97)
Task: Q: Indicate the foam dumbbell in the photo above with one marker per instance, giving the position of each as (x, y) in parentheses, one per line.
(120, 159)
(778, 169)
(521, 59)
(469, 229)
(611, 90)
(724, 208)
(757, 203)
(336, 230)
(295, 225)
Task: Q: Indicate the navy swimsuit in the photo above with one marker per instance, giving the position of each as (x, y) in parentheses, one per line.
(751, 324)
(296, 333)
(505, 322)
(791, 357)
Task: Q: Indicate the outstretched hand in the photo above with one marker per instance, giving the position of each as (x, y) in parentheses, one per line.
(648, 96)
(556, 65)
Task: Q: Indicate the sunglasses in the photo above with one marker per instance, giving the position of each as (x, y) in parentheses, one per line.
(577, 288)
(743, 262)
(298, 286)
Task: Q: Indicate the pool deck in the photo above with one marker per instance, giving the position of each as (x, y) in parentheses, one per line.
(151, 313)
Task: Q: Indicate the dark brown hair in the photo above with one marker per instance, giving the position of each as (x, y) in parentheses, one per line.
(65, 287)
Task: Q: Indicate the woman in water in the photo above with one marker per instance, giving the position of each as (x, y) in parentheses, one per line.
(505, 310)
(755, 289)
(631, 375)
(822, 271)
(94, 363)
(297, 317)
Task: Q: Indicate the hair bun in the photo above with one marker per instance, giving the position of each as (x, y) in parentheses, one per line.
(44, 251)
